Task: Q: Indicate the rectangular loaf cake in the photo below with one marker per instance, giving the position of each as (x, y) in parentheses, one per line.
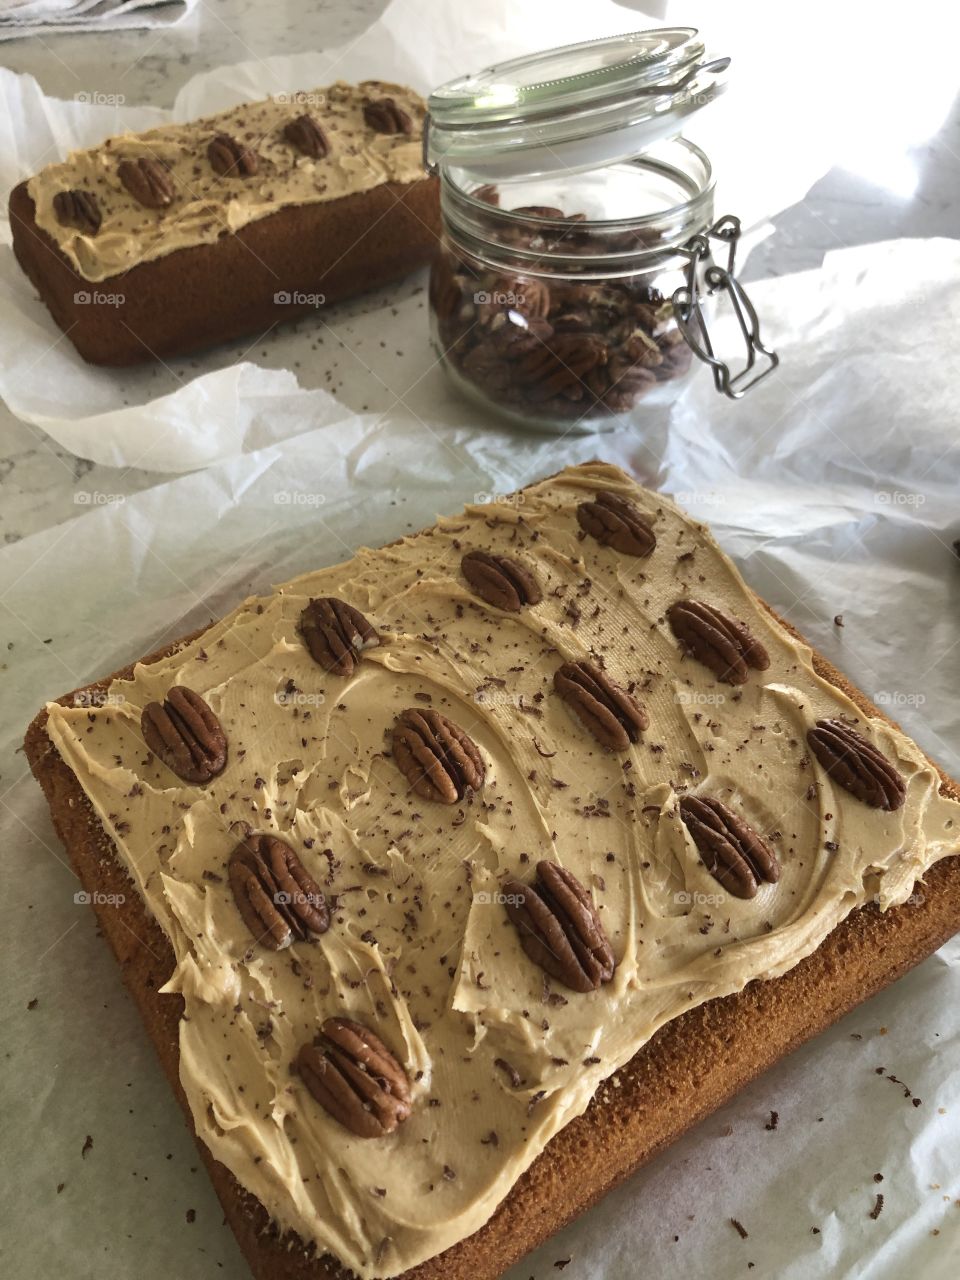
(189, 235)
(569, 692)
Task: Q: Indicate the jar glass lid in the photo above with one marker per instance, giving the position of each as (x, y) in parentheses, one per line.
(577, 107)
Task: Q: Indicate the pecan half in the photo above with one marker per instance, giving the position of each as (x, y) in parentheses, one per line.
(732, 851)
(355, 1078)
(626, 384)
(502, 582)
(514, 298)
(147, 181)
(560, 366)
(612, 715)
(307, 136)
(384, 116)
(446, 290)
(616, 522)
(230, 158)
(560, 928)
(185, 734)
(725, 645)
(336, 634)
(78, 209)
(857, 765)
(279, 900)
(439, 760)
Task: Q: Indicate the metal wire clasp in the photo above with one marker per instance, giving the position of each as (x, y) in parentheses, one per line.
(692, 323)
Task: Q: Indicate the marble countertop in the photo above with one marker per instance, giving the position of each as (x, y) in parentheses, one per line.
(44, 485)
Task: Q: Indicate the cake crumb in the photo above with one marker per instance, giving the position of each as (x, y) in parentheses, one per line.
(191, 1215)
(740, 1229)
(87, 1146)
(773, 1121)
(877, 1208)
(32, 1004)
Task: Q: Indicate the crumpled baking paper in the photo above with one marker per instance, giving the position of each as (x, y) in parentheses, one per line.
(834, 486)
(184, 414)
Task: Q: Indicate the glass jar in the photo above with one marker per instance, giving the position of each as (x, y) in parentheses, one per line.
(568, 291)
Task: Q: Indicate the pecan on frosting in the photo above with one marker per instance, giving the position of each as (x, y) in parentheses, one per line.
(230, 158)
(336, 634)
(279, 900)
(616, 522)
(355, 1078)
(856, 764)
(724, 644)
(501, 580)
(78, 209)
(147, 181)
(385, 116)
(307, 136)
(439, 760)
(185, 734)
(732, 851)
(612, 715)
(560, 929)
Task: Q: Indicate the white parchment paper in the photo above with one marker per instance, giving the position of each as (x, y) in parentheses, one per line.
(834, 487)
(184, 414)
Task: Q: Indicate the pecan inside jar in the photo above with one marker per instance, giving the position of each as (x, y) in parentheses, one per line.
(500, 581)
(279, 900)
(185, 734)
(78, 209)
(612, 715)
(384, 116)
(732, 851)
(147, 181)
(307, 136)
(725, 645)
(230, 158)
(336, 634)
(355, 1078)
(857, 765)
(618, 523)
(439, 760)
(546, 345)
(560, 366)
(560, 929)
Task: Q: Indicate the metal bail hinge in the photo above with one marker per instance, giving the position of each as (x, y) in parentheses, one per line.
(692, 323)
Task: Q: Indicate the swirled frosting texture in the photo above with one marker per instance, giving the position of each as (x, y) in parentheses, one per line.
(206, 205)
(420, 947)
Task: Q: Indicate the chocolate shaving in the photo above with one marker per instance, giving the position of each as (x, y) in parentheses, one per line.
(512, 1072)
